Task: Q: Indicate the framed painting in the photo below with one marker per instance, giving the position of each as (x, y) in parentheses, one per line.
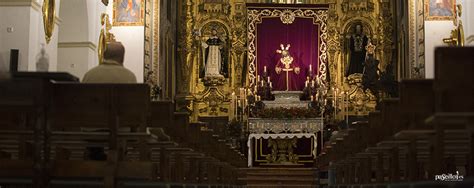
(128, 12)
(440, 9)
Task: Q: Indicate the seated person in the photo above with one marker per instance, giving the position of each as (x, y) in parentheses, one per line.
(111, 70)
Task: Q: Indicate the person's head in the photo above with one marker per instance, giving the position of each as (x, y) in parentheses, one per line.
(214, 32)
(114, 51)
(358, 29)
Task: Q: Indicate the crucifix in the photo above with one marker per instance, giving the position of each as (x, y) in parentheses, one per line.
(286, 60)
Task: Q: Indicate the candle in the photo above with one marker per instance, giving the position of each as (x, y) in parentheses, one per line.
(325, 102)
(270, 85)
(264, 68)
(262, 83)
(258, 78)
(310, 67)
(306, 83)
(268, 79)
(312, 83)
(312, 98)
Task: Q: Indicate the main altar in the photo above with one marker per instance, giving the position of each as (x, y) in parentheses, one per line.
(258, 71)
(284, 141)
(287, 58)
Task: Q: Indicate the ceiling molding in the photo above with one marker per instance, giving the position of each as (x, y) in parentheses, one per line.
(86, 44)
(21, 3)
(470, 39)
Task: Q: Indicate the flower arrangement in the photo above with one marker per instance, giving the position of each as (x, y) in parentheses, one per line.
(288, 113)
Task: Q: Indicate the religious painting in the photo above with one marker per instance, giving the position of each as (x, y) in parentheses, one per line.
(440, 9)
(128, 12)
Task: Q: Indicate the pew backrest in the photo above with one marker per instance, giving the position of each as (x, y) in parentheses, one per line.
(96, 105)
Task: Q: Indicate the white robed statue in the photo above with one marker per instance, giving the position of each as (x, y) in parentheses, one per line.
(213, 64)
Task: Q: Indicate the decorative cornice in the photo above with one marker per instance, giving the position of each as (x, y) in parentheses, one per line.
(470, 39)
(58, 20)
(33, 3)
(87, 44)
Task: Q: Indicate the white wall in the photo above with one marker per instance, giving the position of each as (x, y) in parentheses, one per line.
(436, 31)
(133, 38)
(79, 35)
(27, 35)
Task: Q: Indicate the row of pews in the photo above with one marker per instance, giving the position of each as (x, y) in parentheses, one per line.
(425, 138)
(105, 135)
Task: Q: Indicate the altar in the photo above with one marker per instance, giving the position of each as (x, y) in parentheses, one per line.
(287, 57)
(281, 136)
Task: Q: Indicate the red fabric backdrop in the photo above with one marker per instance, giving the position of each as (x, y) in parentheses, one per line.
(302, 35)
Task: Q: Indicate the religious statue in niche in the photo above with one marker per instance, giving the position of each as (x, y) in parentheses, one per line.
(371, 70)
(356, 50)
(215, 63)
(42, 60)
(286, 65)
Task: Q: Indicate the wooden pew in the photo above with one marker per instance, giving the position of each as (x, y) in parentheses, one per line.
(22, 119)
(454, 81)
(105, 106)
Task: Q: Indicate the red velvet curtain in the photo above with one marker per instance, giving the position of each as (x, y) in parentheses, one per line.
(302, 35)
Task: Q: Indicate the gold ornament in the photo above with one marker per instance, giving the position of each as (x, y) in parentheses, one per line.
(48, 18)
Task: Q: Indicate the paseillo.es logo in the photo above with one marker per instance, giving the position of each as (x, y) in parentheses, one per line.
(449, 177)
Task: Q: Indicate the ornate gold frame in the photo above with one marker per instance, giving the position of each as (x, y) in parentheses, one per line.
(49, 17)
(139, 23)
(255, 16)
(438, 18)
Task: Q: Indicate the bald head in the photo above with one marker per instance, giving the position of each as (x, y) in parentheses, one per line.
(115, 51)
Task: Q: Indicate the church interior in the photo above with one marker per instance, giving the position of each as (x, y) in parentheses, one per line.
(237, 93)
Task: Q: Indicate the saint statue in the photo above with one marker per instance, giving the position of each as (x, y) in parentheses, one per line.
(213, 56)
(42, 60)
(371, 70)
(286, 65)
(357, 52)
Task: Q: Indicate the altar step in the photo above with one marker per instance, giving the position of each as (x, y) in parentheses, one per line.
(281, 177)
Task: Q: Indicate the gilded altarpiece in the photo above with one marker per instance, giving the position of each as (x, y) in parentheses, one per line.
(196, 18)
(197, 21)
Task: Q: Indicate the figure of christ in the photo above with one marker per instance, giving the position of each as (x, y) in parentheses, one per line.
(288, 71)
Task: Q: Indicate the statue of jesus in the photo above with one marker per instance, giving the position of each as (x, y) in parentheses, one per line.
(288, 67)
